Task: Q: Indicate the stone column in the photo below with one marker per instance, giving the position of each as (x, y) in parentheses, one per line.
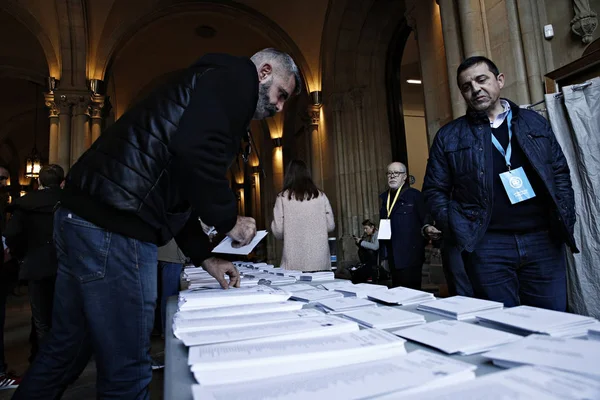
(454, 53)
(528, 27)
(53, 112)
(80, 136)
(63, 156)
(316, 162)
(522, 94)
(96, 116)
(472, 24)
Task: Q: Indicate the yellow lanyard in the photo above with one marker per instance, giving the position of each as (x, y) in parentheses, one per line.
(389, 209)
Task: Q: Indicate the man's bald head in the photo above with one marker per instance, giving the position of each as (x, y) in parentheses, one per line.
(396, 175)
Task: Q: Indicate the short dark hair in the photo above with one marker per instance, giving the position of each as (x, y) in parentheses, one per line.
(298, 183)
(472, 61)
(52, 175)
(368, 222)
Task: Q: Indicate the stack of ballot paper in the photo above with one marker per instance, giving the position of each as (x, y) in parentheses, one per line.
(524, 320)
(244, 361)
(298, 287)
(270, 279)
(362, 290)
(457, 337)
(336, 285)
(296, 328)
(460, 307)
(314, 295)
(574, 355)
(408, 374)
(594, 333)
(210, 298)
(401, 296)
(340, 304)
(238, 310)
(523, 383)
(317, 276)
(384, 317)
(181, 325)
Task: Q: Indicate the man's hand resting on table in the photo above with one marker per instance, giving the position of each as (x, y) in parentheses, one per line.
(217, 268)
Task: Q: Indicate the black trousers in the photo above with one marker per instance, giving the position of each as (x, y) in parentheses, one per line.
(410, 277)
(41, 297)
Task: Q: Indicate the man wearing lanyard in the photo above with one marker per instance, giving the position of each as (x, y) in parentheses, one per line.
(499, 185)
(402, 218)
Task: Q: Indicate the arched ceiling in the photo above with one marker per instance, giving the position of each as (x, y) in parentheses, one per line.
(170, 44)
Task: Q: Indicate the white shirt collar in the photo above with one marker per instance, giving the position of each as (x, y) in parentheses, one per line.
(502, 116)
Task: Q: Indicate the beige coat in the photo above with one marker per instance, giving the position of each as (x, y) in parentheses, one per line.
(303, 226)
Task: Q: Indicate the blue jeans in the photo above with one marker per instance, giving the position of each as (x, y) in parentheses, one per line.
(104, 302)
(522, 269)
(170, 276)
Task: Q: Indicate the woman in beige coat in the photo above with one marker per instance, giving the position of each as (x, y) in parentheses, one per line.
(302, 218)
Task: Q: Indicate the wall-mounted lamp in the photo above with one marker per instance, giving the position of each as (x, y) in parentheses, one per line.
(414, 81)
(316, 98)
(277, 142)
(96, 86)
(52, 84)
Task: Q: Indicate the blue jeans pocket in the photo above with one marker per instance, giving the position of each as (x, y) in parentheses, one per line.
(82, 248)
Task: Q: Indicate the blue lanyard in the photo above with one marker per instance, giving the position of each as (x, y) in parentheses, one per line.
(506, 154)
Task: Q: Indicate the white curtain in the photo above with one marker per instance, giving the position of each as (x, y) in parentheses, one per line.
(575, 120)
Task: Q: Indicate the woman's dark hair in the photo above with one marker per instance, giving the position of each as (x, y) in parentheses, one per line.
(298, 183)
(367, 222)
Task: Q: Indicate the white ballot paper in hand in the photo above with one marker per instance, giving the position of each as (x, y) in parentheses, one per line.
(225, 247)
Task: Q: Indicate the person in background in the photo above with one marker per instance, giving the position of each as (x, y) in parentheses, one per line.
(368, 252)
(8, 380)
(302, 218)
(29, 238)
(404, 209)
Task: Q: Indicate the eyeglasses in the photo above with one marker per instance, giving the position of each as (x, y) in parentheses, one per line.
(394, 174)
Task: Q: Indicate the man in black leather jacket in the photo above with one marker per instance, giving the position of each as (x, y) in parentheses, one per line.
(499, 187)
(147, 179)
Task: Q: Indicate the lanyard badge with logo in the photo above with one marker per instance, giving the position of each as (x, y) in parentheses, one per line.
(385, 227)
(515, 181)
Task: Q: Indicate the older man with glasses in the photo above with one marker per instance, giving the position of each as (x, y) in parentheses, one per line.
(402, 219)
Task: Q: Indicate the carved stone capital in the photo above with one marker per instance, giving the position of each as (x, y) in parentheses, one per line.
(97, 103)
(585, 21)
(53, 110)
(314, 113)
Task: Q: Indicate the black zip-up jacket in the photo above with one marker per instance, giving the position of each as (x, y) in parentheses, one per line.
(458, 185)
(163, 164)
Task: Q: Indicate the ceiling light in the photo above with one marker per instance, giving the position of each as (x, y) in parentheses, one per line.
(414, 81)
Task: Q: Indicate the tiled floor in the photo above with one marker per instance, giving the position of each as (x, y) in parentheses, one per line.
(16, 335)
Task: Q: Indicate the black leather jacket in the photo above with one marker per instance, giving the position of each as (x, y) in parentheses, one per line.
(164, 162)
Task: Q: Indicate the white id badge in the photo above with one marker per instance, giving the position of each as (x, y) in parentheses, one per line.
(385, 230)
(517, 185)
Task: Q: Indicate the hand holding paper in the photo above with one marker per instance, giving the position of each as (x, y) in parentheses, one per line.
(243, 231)
(227, 245)
(217, 268)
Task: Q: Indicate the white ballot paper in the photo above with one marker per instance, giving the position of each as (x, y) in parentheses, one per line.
(212, 298)
(362, 290)
(226, 247)
(524, 320)
(243, 361)
(574, 355)
(202, 324)
(238, 310)
(523, 383)
(350, 382)
(384, 317)
(460, 307)
(344, 304)
(457, 337)
(271, 332)
(313, 295)
(401, 296)
(594, 333)
(336, 285)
